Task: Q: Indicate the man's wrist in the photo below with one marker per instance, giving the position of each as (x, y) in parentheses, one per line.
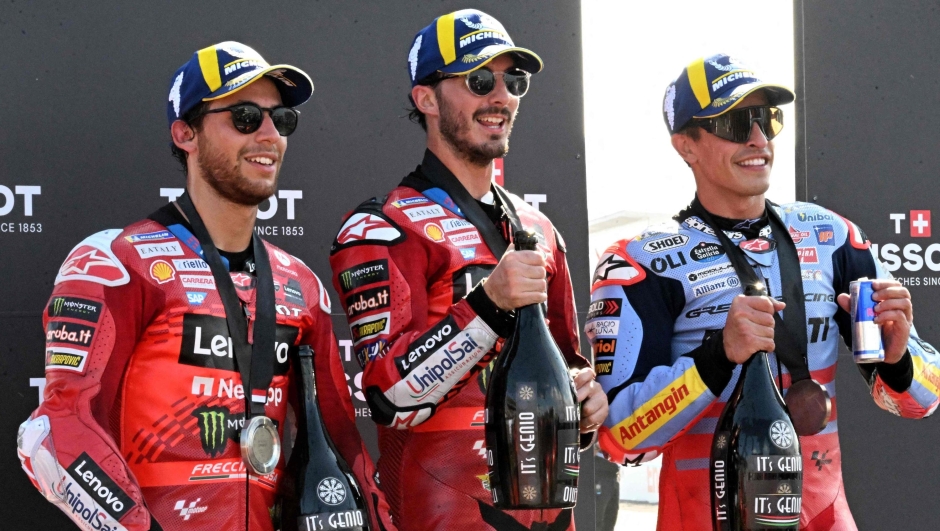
(502, 322)
(898, 376)
(712, 362)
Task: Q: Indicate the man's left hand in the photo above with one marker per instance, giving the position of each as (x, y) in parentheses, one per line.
(592, 399)
(894, 311)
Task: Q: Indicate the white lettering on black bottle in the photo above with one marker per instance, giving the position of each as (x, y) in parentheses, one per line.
(756, 468)
(321, 492)
(532, 416)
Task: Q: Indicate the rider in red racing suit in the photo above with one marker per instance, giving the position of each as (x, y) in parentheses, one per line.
(143, 405)
(408, 269)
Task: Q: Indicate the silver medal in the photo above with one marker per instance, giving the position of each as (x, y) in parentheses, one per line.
(261, 446)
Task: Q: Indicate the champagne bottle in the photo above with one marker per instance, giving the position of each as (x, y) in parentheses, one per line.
(756, 466)
(321, 493)
(532, 416)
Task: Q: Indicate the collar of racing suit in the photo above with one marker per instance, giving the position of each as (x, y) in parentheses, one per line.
(432, 173)
(238, 261)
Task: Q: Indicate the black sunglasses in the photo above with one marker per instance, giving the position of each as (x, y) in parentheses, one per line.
(735, 125)
(482, 81)
(247, 117)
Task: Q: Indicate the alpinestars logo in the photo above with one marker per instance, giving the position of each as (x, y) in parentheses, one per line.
(217, 425)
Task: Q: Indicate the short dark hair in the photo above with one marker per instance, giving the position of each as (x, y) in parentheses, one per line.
(414, 114)
(193, 118)
(691, 130)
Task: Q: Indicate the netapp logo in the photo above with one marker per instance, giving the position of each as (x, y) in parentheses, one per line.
(102, 488)
(206, 343)
(426, 345)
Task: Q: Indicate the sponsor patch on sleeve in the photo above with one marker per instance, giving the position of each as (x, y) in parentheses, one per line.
(74, 308)
(93, 261)
(66, 359)
(617, 267)
(366, 228)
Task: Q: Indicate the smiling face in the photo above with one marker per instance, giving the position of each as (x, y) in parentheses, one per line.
(241, 168)
(477, 128)
(726, 169)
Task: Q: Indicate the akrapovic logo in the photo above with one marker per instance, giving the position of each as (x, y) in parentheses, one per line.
(74, 308)
(100, 486)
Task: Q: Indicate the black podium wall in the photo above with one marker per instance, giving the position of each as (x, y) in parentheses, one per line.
(868, 99)
(85, 147)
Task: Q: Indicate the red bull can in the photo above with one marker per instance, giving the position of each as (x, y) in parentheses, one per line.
(866, 334)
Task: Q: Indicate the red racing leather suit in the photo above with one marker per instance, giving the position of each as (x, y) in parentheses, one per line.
(143, 405)
(407, 269)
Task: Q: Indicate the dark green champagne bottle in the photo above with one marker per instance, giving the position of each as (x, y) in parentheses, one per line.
(532, 416)
(756, 466)
(321, 493)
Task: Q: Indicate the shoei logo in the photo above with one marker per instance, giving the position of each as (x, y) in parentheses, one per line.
(217, 425)
(94, 481)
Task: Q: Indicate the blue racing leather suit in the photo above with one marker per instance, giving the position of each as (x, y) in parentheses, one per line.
(659, 304)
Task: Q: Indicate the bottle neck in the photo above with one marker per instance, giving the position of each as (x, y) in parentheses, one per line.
(757, 377)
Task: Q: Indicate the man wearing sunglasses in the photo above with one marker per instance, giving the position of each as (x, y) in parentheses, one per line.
(166, 339)
(429, 289)
(684, 325)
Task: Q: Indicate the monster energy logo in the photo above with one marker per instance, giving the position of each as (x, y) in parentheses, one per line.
(75, 308)
(216, 426)
(364, 274)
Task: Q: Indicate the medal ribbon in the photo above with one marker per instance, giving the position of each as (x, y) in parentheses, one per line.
(255, 362)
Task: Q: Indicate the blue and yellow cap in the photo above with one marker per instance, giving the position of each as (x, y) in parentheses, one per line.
(461, 42)
(713, 86)
(226, 68)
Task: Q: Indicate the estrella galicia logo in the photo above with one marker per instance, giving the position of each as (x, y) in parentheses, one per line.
(74, 308)
(706, 252)
(217, 426)
(364, 274)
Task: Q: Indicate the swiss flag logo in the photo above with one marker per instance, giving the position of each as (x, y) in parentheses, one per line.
(920, 223)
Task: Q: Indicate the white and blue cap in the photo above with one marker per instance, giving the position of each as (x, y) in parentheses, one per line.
(712, 86)
(225, 68)
(462, 41)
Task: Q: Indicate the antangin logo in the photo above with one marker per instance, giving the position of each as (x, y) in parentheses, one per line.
(643, 420)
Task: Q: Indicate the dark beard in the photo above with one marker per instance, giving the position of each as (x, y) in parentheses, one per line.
(455, 129)
(223, 176)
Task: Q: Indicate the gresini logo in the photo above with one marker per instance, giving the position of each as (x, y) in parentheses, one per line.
(217, 425)
(95, 482)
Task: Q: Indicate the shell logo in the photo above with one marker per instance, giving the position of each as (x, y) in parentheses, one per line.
(162, 272)
(434, 232)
